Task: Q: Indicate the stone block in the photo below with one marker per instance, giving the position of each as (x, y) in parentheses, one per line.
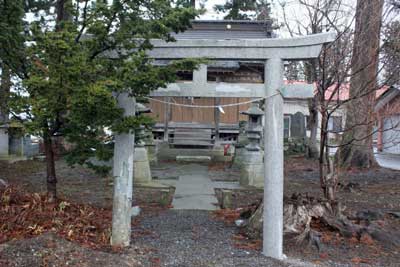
(218, 155)
(142, 173)
(252, 168)
(193, 159)
(226, 199)
(238, 157)
(252, 175)
(3, 142)
(152, 154)
(218, 150)
(153, 192)
(252, 157)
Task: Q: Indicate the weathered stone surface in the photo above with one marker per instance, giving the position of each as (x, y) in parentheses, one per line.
(164, 152)
(217, 154)
(193, 158)
(238, 158)
(226, 199)
(298, 125)
(246, 49)
(152, 153)
(300, 91)
(3, 142)
(273, 148)
(274, 51)
(142, 173)
(154, 192)
(252, 168)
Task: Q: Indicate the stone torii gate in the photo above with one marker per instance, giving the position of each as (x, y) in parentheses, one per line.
(271, 51)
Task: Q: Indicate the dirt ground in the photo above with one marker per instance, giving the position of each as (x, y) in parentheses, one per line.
(79, 184)
(50, 250)
(376, 190)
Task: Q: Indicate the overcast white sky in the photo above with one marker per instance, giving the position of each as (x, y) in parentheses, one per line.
(292, 8)
(294, 11)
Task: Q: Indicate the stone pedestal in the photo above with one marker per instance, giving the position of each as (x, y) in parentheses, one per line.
(238, 158)
(3, 142)
(217, 153)
(152, 153)
(142, 173)
(252, 168)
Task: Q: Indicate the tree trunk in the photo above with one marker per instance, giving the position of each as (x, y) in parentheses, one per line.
(5, 86)
(311, 77)
(62, 9)
(329, 178)
(50, 167)
(356, 150)
(62, 14)
(298, 212)
(312, 148)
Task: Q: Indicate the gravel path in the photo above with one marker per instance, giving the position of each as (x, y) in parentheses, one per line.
(183, 238)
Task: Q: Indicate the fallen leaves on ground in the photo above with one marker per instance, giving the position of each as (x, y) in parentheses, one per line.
(324, 255)
(218, 166)
(227, 215)
(358, 260)
(24, 215)
(366, 239)
(247, 244)
(300, 164)
(155, 262)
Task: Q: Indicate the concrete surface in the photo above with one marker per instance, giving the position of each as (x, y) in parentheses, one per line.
(142, 173)
(193, 158)
(195, 190)
(304, 47)
(252, 169)
(273, 160)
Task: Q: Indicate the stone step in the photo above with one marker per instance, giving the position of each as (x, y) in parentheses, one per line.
(181, 158)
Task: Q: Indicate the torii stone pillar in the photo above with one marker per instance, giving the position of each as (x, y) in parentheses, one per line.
(273, 160)
(271, 51)
(123, 178)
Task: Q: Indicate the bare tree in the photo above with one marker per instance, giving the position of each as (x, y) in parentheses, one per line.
(357, 150)
(391, 52)
(320, 16)
(332, 73)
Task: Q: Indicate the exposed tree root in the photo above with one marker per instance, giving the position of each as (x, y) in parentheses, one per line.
(300, 211)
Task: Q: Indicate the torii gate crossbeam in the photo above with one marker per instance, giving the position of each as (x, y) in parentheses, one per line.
(273, 52)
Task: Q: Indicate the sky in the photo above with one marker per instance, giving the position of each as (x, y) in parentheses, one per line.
(211, 14)
(292, 8)
(294, 12)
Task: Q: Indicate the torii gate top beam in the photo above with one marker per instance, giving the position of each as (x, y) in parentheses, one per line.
(273, 52)
(297, 48)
